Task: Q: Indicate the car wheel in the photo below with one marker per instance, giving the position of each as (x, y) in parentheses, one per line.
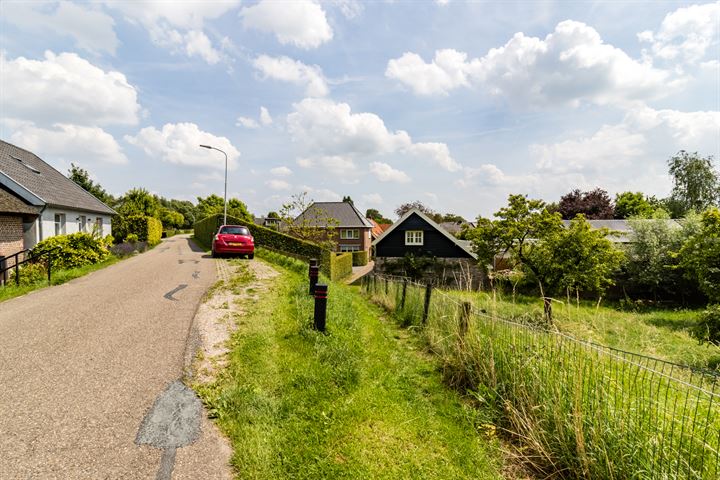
(251, 256)
(214, 254)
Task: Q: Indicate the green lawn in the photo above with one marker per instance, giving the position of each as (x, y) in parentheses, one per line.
(661, 333)
(363, 401)
(10, 290)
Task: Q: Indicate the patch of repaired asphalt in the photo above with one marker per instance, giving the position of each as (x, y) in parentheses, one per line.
(169, 295)
(172, 422)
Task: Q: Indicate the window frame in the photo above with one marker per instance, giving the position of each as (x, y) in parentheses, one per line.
(414, 237)
(59, 221)
(349, 248)
(349, 234)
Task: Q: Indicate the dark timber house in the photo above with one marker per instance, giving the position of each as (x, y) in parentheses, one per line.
(417, 235)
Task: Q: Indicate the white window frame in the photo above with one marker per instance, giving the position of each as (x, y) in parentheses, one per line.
(82, 223)
(414, 237)
(349, 234)
(98, 226)
(59, 224)
(349, 248)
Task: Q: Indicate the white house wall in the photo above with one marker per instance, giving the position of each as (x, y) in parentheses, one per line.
(46, 222)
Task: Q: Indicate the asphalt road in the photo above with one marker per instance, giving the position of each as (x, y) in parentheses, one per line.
(81, 364)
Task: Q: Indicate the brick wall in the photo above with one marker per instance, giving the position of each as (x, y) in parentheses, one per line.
(11, 234)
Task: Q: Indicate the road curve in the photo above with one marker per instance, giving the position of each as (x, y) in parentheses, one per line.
(82, 363)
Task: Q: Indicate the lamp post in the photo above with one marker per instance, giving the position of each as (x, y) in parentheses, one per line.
(225, 202)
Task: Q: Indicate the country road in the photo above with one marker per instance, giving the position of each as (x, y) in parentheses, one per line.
(81, 364)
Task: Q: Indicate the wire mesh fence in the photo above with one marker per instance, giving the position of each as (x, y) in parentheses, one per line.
(578, 409)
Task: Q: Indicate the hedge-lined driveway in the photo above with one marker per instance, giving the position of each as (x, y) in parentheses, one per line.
(82, 363)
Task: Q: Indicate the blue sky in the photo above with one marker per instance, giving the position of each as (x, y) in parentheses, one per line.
(453, 103)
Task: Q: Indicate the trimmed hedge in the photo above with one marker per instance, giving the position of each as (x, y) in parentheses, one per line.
(340, 265)
(333, 266)
(359, 259)
(147, 229)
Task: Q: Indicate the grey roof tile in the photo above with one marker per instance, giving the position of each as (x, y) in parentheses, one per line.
(54, 188)
(9, 203)
(345, 213)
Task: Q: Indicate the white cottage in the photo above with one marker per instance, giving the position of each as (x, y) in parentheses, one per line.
(62, 206)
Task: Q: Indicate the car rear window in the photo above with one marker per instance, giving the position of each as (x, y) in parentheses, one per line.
(235, 230)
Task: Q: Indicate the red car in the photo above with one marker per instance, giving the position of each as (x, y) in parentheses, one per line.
(233, 239)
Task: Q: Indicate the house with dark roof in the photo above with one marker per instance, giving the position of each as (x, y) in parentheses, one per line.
(15, 214)
(59, 205)
(352, 231)
(418, 236)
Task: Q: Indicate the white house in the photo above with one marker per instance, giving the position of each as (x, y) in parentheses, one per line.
(62, 206)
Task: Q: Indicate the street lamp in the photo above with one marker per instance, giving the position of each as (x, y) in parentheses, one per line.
(213, 148)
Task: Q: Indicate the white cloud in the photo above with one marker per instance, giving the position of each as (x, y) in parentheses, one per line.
(385, 173)
(179, 143)
(265, 117)
(246, 122)
(301, 23)
(177, 25)
(91, 29)
(321, 194)
(569, 66)
(281, 171)
(66, 88)
(277, 184)
(372, 199)
(686, 34)
(288, 70)
(198, 44)
(349, 8)
(70, 143)
(330, 129)
(333, 164)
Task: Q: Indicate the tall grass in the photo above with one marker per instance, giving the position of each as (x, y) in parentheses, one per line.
(578, 409)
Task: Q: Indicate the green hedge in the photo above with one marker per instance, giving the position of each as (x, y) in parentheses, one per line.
(359, 259)
(333, 266)
(148, 229)
(74, 250)
(339, 265)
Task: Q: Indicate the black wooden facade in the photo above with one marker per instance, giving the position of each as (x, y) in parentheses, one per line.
(435, 244)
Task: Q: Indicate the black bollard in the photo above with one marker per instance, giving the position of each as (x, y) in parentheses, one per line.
(314, 273)
(321, 291)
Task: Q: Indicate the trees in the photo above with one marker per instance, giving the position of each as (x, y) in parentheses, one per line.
(138, 201)
(213, 204)
(405, 207)
(452, 218)
(577, 258)
(632, 204)
(696, 184)
(316, 225)
(700, 255)
(82, 178)
(347, 199)
(374, 214)
(594, 205)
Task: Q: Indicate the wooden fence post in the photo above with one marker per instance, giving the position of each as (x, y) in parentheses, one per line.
(465, 310)
(386, 285)
(426, 311)
(404, 293)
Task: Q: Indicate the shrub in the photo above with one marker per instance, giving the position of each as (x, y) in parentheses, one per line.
(360, 258)
(30, 273)
(147, 229)
(708, 328)
(74, 250)
(131, 238)
(339, 265)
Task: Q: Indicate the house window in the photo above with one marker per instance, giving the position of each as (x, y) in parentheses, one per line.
(59, 224)
(349, 248)
(99, 226)
(413, 237)
(349, 234)
(82, 223)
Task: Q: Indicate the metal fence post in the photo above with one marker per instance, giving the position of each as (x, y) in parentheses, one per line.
(321, 291)
(465, 317)
(3, 266)
(426, 311)
(17, 272)
(314, 273)
(49, 261)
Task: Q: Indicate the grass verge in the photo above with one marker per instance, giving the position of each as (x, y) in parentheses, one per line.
(360, 402)
(58, 278)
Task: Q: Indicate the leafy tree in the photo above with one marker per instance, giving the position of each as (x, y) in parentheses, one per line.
(347, 199)
(405, 207)
(377, 216)
(700, 255)
(138, 201)
(594, 205)
(171, 218)
(273, 215)
(556, 258)
(316, 226)
(82, 178)
(696, 184)
(214, 204)
(452, 218)
(632, 204)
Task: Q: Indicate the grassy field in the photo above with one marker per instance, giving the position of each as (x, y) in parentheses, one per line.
(661, 333)
(10, 290)
(361, 402)
(576, 410)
